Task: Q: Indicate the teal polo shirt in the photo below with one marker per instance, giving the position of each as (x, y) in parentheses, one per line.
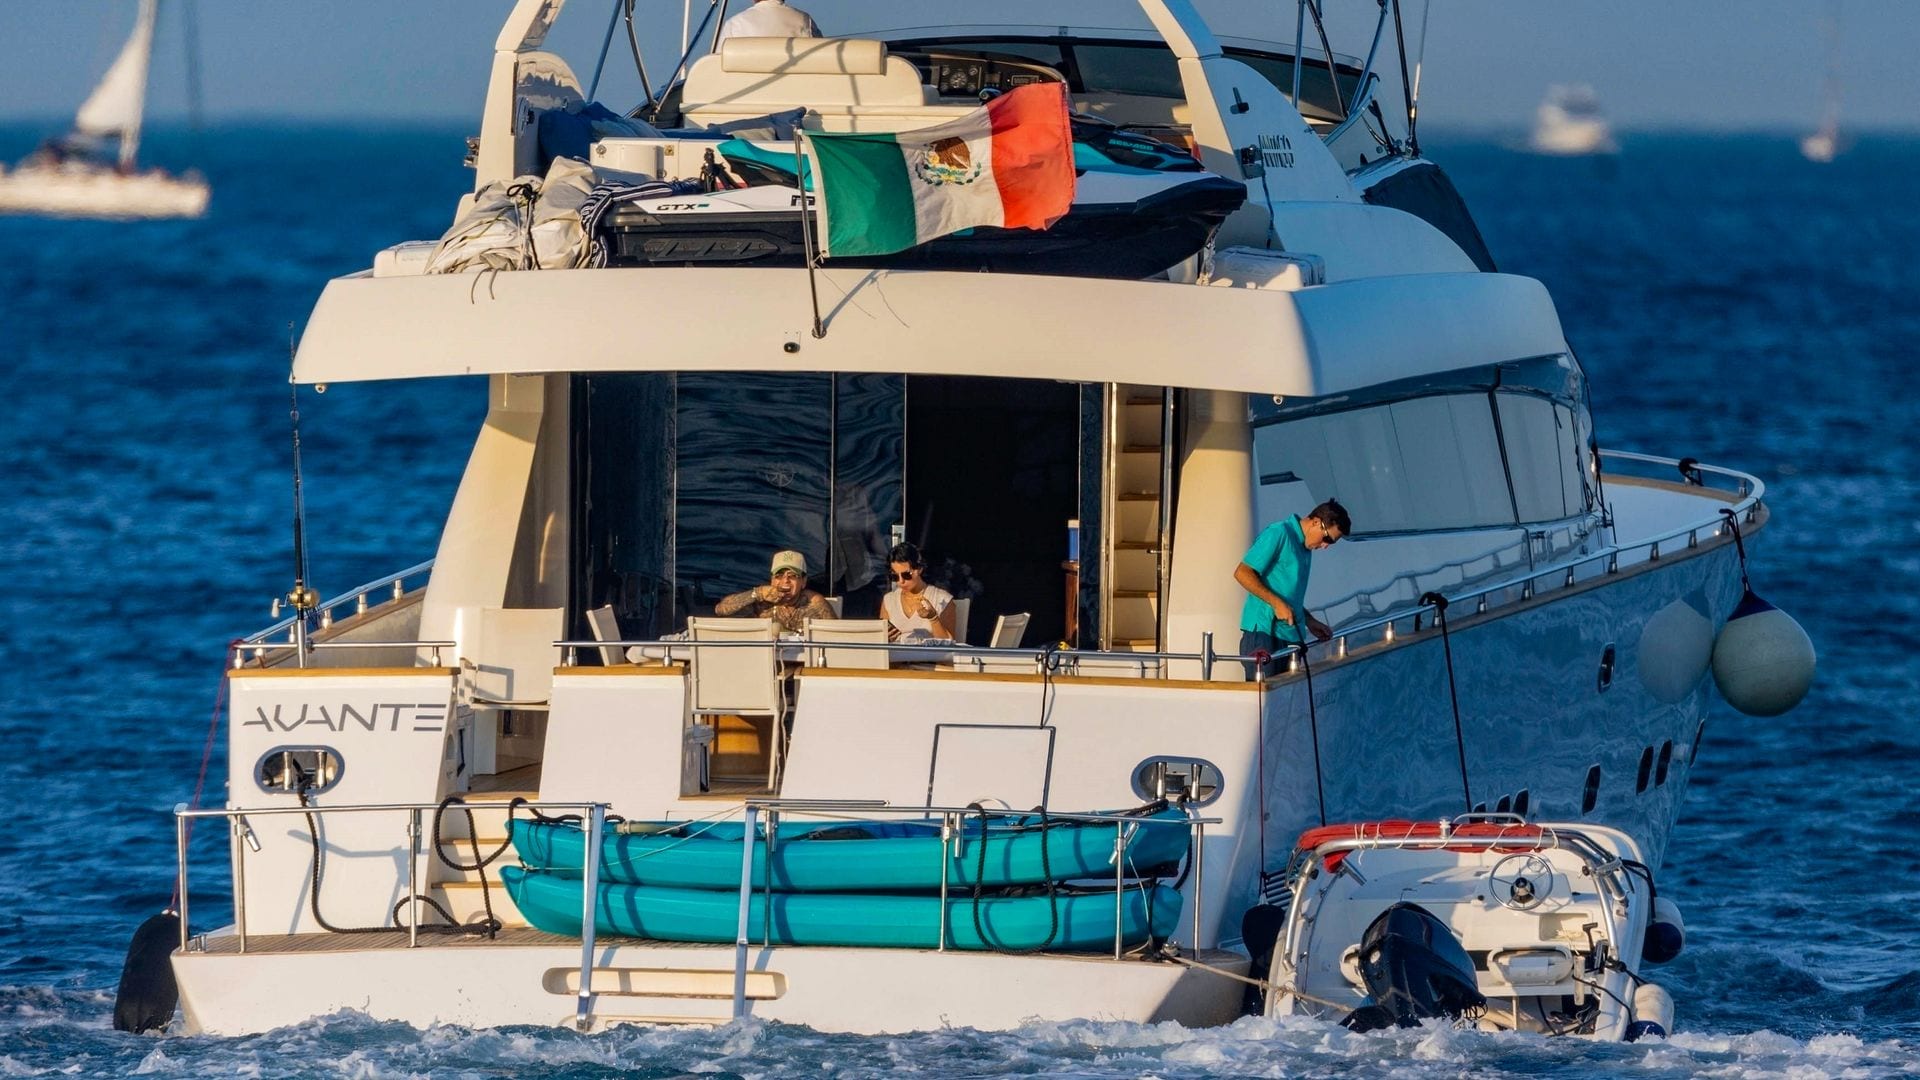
(1281, 558)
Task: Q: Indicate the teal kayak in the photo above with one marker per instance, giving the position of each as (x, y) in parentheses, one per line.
(859, 856)
(1068, 922)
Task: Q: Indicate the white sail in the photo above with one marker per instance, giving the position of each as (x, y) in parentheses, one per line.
(115, 106)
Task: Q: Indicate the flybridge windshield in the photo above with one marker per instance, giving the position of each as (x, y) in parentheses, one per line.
(1145, 68)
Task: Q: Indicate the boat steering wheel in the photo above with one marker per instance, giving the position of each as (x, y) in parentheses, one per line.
(1521, 881)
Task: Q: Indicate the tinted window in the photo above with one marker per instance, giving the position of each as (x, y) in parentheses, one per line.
(1124, 69)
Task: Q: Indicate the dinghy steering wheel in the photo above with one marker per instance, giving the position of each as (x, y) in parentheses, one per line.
(1521, 881)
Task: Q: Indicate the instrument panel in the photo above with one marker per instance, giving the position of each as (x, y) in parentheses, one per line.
(955, 75)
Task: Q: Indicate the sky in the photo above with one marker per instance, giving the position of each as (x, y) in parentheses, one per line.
(1655, 64)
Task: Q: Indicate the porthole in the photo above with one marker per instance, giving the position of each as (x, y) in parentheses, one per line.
(290, 770)
(1605, 677)
(1504, 806)
(1646, 771)
(1522, 803)
(1479, 808)
(1590, 795)
(1666, 760)
(1188, 780)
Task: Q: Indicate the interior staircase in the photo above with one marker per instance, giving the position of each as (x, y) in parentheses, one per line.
(1142, 421)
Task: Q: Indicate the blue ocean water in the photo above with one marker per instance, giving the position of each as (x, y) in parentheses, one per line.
(1730, 301)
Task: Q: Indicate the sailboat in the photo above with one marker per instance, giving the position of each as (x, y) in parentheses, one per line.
(91, 171)
(1823, 144)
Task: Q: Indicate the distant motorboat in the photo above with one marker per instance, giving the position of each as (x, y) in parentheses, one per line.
(74, 176)
(1569, 124)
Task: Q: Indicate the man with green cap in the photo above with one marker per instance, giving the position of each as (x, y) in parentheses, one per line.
(786, 599)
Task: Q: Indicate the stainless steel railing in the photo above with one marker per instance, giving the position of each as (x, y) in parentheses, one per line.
(1748, 492)
(394, 585)
(241, 839)
(951, 826)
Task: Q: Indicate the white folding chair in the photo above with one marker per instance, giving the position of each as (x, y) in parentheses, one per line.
(848, 631)
(606, 627)
(1008, 630)
(740, 679)
(838, 604)
(961, 607)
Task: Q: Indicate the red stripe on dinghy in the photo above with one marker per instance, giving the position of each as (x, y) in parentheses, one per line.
(1524, 837)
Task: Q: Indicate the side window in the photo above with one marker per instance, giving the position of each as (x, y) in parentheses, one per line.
(1541, 456)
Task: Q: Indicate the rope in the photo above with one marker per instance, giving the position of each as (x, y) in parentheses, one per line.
(1046, 869)
(1739, 547)
(489, 926)
(1313, 723)
(1260, 756)
(1169, 954)
(1439, 604)
(1049, 690)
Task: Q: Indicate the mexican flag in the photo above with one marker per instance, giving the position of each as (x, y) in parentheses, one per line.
(1008, 164)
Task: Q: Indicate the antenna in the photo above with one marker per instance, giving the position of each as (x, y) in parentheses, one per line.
(303, 598)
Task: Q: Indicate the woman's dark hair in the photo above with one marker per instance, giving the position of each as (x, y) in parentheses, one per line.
(907, 553)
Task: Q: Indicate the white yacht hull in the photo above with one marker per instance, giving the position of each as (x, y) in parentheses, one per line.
(98, 192)
(1532, 715)
(865, 991)
(1533, 718)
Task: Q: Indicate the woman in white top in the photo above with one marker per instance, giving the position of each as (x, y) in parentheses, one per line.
(915, 608)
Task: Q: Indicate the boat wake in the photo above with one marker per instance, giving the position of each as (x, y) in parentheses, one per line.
(65, 1032)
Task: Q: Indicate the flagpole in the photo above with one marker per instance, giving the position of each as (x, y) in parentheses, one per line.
(806, 226)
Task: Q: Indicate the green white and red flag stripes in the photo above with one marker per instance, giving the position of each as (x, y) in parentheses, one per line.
(1008, 164)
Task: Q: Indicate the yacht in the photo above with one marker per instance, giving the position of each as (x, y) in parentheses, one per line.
(1569, 123)
(475, 791)
(92, 171)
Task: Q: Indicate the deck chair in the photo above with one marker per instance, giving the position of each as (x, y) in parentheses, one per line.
(857, 631)
(961, 607)
(1008, 630)
(606, 627)
(739, 680)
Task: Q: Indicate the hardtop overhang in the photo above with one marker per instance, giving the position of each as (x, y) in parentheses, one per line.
(1320, 340)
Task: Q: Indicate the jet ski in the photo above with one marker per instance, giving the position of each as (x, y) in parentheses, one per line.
(1140, 206)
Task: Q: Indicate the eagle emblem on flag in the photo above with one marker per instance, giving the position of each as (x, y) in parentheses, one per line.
(947, 161)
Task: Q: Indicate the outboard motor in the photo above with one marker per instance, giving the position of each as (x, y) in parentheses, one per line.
(1414, 969)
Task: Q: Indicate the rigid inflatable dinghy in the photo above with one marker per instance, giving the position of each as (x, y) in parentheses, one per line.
(862, 856)
(1062, 920)
(1483, 919)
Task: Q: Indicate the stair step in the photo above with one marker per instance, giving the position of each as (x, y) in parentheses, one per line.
(1135, 594)
(462, 900)
(1141, 448)
(1136, 545)
(1138, 496)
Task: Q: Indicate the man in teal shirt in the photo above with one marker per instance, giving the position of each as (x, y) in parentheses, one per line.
(1274, 572)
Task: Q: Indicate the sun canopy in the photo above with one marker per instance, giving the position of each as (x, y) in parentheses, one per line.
(1321, 340)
